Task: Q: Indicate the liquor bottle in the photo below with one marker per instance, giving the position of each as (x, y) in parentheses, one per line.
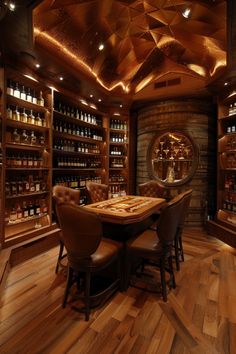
(16, 114)
(31, 117)
(23, 93)
(19, 212)
(33, 139)
(31, 209)
(25, 210)
(16, 136)
(16, 92)
(13, 215)
(9, 112)
(34, 98)
(24, 137)
(23, 116)
(29, 95)
(37, 209)
(40, 100)
(10, 90)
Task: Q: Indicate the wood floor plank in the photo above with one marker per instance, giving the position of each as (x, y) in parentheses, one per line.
(199, 317)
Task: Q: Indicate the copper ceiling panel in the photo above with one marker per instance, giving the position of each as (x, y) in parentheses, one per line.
(143, 39)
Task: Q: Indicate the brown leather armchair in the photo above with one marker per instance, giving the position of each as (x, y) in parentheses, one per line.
(87, 252)
(153, 189)
(155, 247)
(61, 194)
(97, 192)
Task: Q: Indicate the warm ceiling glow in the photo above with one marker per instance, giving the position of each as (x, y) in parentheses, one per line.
(37, 65)
(30, 77)
(197, 68)
(62, 48)
(186, 13)
(144, 83)
(101, 46)
(61, 78)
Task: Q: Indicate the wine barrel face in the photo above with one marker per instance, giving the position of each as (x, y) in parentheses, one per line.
(194, 118)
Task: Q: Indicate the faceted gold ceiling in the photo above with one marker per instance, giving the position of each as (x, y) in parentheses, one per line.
(143, 39)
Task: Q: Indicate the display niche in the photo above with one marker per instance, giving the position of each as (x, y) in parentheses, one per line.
(172, 158)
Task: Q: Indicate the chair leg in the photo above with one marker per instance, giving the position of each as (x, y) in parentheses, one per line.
(176, 245)
(181, 248)
(69, 282)
(59, 256)
(172, 274)
(87, 294)
(163, 279)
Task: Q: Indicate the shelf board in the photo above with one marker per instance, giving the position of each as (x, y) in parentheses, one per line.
(25, 146)
(57, 169)
(116, 143)
(27, 168)
(117, 183)
(226, 118)
(25, 104)
(123, 131)
(117, 168)
(29, 219)
(26, 195)
(19, 124)
(63, 152)
(77, 121)
(75, 137)
(118, 156)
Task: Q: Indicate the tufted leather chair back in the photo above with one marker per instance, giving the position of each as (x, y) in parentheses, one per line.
(152, 189)
(66, 194)
(97, 192)
(81, 230)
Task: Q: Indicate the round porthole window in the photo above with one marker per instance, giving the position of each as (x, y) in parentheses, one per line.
(172, 158)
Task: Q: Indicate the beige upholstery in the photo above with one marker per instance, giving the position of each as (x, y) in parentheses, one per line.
(87, 251)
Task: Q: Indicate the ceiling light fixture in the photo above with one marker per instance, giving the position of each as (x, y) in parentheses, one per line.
(186, 12)
(91, 96)
(226, 84)
(61, 78)
(101, 46)
(10, 4)
(37, 65)
(99, 100)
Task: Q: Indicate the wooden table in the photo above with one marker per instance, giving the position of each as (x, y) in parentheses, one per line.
(127, 209)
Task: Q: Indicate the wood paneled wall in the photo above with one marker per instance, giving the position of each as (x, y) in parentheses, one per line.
(195, 117)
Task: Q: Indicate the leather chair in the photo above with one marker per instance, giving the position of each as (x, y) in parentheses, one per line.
(179, 252)
(155, 247)
(87, 252)
(97, 192)
(61, 194)
(153, 189)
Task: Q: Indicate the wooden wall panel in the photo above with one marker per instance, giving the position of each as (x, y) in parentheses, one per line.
(196, 118)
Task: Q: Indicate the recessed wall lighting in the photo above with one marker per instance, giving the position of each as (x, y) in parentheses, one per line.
(61, 78)
(186, 13)
(101, 46)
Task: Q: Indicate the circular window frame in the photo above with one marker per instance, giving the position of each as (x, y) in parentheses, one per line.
(195, 158)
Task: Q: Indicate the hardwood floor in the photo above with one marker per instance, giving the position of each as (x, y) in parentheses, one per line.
(199, 317)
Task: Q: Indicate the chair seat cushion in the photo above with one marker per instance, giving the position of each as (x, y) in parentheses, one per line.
(107, 252)
(147, 244)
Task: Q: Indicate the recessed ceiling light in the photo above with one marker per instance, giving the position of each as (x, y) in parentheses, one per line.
(99, 100)
(101, 46)
(121, 105)
(226, 83)
(91, 95)
(37, 65)
(61, 78)
(11, 5)
(186, 13)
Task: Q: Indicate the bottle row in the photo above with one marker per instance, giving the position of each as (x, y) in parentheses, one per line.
(116, 190)
(25, 93)
(117, 178)
(229, 206)
(117, 151)
(26, 211)
(25, 116)
(24, 160)
(26, 137)
(230, 182)
(117, 163)
(77, 162)
(77, 130)
(231, 144)
(232, 109)
(76, 181)
(231, 128)
(118, 124)
(25, 185)
(75, 112)
(118, 138)
(72, 146)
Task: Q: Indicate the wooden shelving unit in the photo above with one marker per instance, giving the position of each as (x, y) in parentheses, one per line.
(224, 225)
